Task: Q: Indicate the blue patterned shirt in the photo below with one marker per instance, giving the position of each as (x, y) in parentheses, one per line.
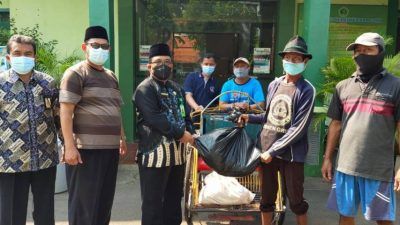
(27, 131)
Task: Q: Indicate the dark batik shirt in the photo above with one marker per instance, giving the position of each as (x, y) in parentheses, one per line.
(28, 134)
(168, 152)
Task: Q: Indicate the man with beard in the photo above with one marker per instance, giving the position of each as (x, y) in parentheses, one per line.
(365, 113)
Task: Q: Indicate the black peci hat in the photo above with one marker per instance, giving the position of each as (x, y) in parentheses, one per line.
(96, 32)
(298, 45)
(159, 49)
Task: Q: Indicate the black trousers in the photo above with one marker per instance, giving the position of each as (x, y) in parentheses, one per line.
(14, 194)
(91, 187)
(162, 192)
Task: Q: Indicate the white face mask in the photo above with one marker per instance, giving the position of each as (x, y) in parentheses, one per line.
(98, 56)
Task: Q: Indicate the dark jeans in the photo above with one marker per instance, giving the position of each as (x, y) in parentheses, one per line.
(91, 187)
(293, 179)
(162, 192)
(14, 193)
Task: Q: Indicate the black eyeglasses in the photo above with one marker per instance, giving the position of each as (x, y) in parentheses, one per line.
(97, 45)
(160, 62)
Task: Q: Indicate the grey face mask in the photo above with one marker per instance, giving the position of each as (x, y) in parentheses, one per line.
(241, 72)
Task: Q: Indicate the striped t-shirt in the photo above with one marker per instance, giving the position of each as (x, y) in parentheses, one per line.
(369, 113)
(97, 99)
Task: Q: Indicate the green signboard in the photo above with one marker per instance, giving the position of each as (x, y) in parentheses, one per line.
(349, 21)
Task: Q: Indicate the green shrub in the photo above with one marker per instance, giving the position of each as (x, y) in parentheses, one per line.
(47, 58)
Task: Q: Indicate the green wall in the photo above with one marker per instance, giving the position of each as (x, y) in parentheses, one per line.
(125, 61)
(5, 4)
(392, 15)
(64, 21)
(285, 30)
(101, 13)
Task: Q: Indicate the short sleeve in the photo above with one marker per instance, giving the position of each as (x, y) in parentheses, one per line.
(225, 97)
(397, 108)
(187, 85)
(335, 110)
(258, 92)
(71, 87)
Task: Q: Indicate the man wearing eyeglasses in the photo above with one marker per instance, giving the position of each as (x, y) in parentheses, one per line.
(164, 128)
(90, 103)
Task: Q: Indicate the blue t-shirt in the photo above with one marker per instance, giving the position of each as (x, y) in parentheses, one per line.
(203, 93)
(251, 87)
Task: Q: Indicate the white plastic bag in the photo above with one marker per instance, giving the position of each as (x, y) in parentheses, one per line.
(224, 191)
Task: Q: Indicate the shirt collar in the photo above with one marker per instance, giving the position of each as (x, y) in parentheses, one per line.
(380, 74)
(14, 77)
(202, 76)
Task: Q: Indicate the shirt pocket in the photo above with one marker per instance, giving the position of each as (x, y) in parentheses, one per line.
(42, 107)
(382, 104)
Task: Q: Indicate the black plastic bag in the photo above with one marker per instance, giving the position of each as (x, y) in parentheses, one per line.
(229, 151)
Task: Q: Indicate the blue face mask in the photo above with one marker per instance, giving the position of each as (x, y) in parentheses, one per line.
(22, 64)
(293, 69)
(98, 56)
(208, 70)
(241, 72)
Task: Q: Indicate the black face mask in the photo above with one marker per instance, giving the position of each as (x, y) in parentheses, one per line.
(369, 65)
(162, 72)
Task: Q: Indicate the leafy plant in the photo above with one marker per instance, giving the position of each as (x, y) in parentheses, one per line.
(341, 68)
(337, 70)
(47, 57)
(392, 64)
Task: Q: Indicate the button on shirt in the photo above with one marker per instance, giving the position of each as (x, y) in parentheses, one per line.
(369, 113)
(27, 131)
(162, 119)
(203, 92)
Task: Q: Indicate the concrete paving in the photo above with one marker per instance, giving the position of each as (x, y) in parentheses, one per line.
(126, 208)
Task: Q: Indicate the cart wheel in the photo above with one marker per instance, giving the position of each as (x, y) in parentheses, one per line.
(187, 189)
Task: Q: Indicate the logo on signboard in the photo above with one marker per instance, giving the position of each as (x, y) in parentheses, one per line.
(343, 11)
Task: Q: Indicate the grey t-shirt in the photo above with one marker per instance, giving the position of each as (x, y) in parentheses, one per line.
(279, 116)
(369, 113)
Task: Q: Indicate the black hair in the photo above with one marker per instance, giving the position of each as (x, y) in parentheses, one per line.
(208, 55)
(21, 39)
